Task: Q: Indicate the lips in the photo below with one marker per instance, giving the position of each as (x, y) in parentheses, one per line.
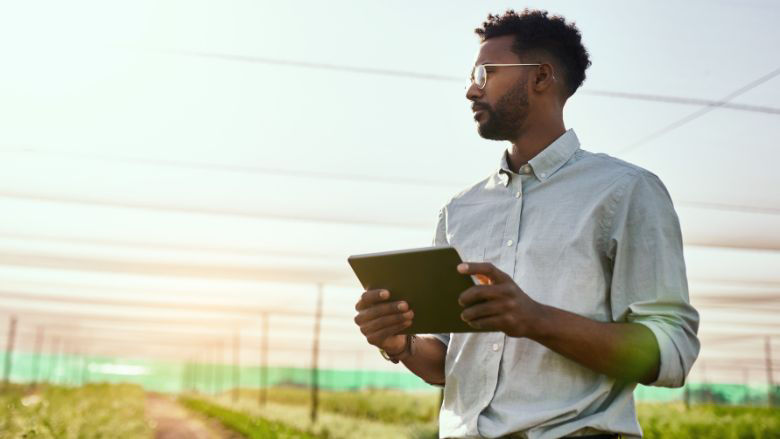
(478, 110)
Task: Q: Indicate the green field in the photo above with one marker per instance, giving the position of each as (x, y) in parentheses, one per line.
(672, 420)
(391, 414)
(92, 411)
(117, 411)
(252, 427)
(348, 415)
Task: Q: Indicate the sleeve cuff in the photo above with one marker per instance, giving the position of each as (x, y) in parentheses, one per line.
(670, 372)
(444, 338)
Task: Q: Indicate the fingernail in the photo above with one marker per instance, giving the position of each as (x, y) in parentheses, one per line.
(409, 314)
(463, 267)
(462, 317)
(384, 294)
(403, 306)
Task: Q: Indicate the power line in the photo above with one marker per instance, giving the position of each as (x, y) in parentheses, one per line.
(314, 218)
(731, 207)
(177, 306)
(250, 214)
(81, 327)
(262, 273)
(682, 100)
(701, 112)
(164, 246)
(33, 316)
(455, 79)
(253, 170)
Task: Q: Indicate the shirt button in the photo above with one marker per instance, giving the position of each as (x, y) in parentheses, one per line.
(495, 347)
(518, 194)
(509, 243)
(543, 174)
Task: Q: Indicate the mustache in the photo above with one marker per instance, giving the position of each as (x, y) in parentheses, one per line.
(479, 106)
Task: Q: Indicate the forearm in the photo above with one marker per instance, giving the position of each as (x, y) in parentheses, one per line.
(428, 359)
(627, 351)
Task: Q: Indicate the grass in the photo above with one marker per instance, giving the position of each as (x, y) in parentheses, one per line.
(672, 420)
(389, 414)
(332, 424)
(386, 406)
(249, 425)
(117, 411)
(92, 411)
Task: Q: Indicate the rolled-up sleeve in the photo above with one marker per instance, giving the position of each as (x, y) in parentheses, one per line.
(649, 284)
(440, 239)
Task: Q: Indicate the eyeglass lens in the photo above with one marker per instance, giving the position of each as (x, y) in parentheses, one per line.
(479, 76)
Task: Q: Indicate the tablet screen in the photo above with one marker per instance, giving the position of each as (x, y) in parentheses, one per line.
(426, 278)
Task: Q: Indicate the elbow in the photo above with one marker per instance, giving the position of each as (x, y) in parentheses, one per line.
(677, 354)
(437, 381)
(651, 373)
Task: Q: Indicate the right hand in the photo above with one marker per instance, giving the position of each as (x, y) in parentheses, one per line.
(381, 321)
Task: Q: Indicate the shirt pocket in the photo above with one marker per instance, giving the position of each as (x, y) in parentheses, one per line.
(493, 242)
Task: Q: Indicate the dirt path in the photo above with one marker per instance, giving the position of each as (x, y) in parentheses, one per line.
(172, 421)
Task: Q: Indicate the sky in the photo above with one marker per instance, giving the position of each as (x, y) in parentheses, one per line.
(237, 152)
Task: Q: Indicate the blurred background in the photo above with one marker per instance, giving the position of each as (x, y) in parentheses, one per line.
(182, 181)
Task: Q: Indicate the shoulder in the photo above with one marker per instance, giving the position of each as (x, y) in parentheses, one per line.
(620, 174)
(476, 193)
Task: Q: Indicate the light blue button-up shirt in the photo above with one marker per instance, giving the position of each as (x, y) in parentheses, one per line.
(586, 233)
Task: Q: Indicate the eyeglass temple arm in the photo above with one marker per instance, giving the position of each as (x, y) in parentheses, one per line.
(507, 65)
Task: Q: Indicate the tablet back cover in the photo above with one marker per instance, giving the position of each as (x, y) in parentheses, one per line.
(425, 278)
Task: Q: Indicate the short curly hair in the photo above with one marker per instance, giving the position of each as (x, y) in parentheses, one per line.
(534, 30)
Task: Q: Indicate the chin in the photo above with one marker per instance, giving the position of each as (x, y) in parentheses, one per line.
(489, 133)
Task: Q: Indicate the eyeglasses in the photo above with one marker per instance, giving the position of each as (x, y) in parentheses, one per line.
(479, 73)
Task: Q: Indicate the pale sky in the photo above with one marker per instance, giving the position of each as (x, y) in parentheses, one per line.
(157, 151)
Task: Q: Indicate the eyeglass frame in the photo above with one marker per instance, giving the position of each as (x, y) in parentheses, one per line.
(474, 69)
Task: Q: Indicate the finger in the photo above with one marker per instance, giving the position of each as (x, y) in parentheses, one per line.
(481, 310)
(380, 310)
(483, 268)
(481, 293)
(494, 323)
(385, 322)
(371, 297)
(378, 337)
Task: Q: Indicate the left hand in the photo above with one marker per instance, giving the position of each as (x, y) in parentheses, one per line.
(498, 304)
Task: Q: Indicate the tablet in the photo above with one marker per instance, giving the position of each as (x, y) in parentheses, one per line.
(426, 278)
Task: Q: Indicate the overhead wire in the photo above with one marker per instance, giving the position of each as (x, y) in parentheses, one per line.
(305, 174)
(700, 112)
(209, 308)
(202, 210)
(449, 78)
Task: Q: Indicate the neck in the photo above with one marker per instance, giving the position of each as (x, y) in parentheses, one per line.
(536, 137)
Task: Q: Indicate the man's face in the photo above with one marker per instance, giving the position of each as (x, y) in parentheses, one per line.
(501, 107)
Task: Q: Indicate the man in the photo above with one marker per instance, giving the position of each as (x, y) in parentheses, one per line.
(585, 287)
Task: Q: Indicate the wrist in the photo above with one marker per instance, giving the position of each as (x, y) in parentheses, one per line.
(540, 323)
(407, 351)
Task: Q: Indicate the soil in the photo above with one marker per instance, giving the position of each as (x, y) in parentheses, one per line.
(172, 421)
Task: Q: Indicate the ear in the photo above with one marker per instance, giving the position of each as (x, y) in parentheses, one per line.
(545, 78)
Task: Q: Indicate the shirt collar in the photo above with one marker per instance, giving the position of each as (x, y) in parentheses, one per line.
(548, 161)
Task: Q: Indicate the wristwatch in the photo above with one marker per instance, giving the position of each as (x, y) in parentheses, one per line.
(408, 351)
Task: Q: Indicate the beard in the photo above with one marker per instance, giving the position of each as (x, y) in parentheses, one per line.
(506, 120)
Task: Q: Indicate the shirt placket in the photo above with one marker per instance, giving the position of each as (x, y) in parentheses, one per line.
(512, 230)
(495, 342)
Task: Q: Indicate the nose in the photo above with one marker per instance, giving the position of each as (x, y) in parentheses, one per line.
(473, 92)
